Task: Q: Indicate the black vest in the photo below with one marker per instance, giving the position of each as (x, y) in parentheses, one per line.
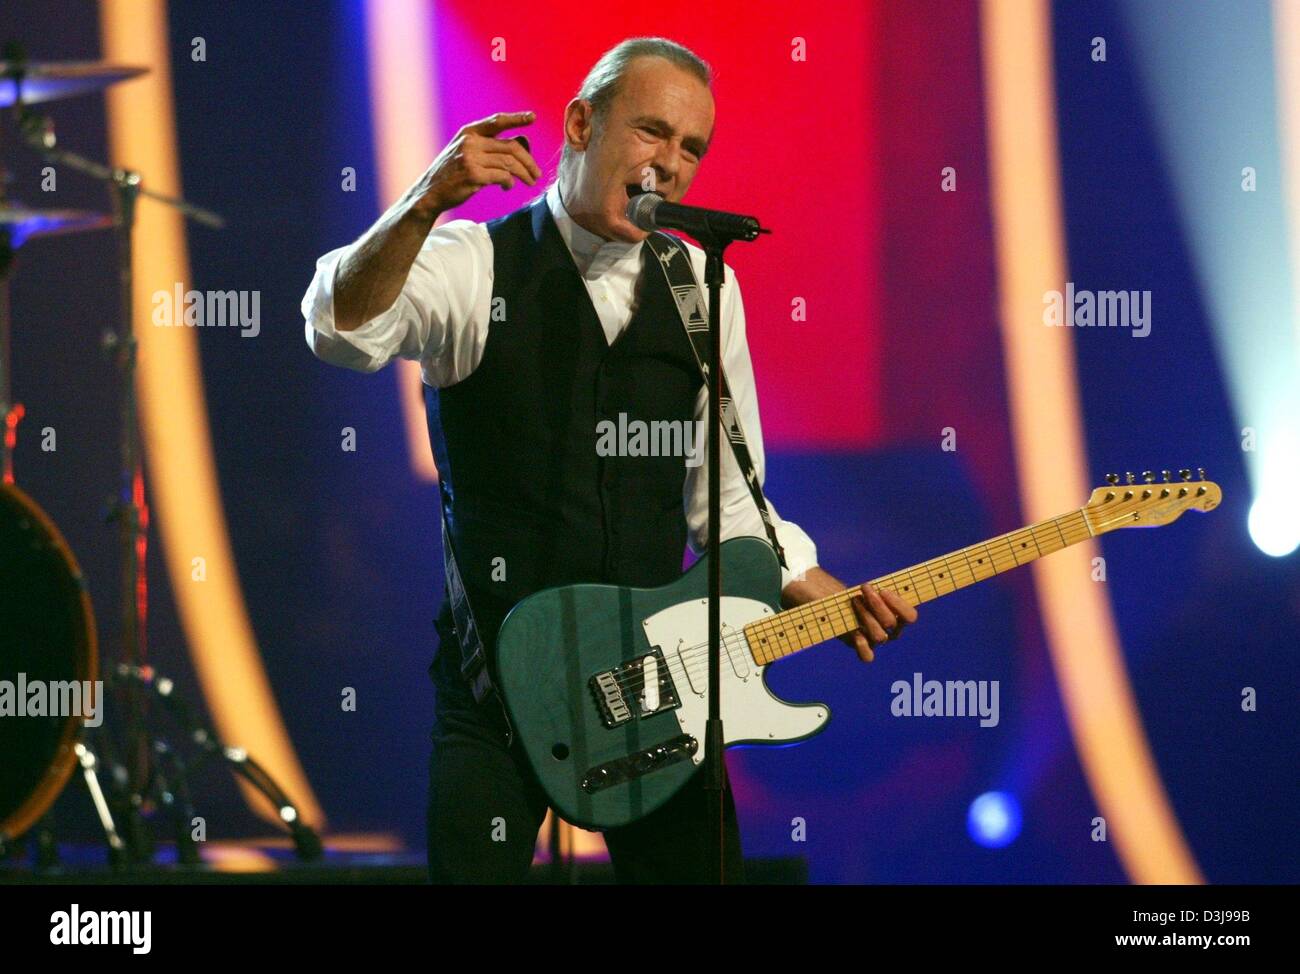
(531, 502)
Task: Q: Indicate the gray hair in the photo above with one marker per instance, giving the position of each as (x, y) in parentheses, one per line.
(606, 75)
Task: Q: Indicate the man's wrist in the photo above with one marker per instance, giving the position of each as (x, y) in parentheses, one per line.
(420, 214)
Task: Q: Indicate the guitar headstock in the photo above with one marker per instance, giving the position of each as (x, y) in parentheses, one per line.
(1146, 503)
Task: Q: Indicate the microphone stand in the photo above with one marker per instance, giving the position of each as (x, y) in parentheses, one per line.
(714, 241)
(715, 765)
(715, 231)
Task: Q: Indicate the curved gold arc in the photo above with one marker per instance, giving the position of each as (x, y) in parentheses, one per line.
(407, 123)
(1049, 445)
(174, 421)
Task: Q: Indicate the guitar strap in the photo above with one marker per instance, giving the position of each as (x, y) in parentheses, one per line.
(473, 665)
(689, 299)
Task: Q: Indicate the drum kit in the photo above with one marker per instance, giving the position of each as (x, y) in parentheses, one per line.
(47, 625)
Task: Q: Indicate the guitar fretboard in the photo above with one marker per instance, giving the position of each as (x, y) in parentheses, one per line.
(815, 622)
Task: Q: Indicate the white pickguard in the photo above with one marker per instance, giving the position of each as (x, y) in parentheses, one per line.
(749, 710)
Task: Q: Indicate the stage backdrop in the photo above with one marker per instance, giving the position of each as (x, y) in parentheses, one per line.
(879, 141)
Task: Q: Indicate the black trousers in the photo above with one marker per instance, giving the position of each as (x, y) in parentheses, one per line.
(486, 806)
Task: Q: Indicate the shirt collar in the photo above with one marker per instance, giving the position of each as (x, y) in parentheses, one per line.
(589, 251)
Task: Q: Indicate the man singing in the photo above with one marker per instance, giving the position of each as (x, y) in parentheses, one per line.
(531, 330)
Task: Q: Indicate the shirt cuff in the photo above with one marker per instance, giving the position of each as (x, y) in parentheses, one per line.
(800, 552)
(362, 347)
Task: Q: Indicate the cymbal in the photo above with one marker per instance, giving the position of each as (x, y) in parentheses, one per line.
(48, 80)
(21, 222)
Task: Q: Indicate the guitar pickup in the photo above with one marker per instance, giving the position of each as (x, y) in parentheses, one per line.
(623, 770)
(639, 688)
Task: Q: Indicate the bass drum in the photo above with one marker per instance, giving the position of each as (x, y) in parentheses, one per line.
(47, 633)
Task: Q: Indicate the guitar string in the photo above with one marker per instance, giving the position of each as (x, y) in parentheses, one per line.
(688, 656)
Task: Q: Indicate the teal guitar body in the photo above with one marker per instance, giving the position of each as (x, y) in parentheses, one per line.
(606, 686)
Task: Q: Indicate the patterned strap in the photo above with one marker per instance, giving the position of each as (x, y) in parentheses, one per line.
(473, 665)
(676, 266)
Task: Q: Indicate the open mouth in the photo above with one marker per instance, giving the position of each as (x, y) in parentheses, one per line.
(635, 189)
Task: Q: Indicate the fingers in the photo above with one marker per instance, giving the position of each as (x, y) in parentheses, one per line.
(863, 648)
(495, 124)
(487, 174)
(860, 646)
(881, 617)
(501, 162)
(905, 611)
(517, 152)
(890, 609)
(881, 612)
(477, 158)
(868, 623)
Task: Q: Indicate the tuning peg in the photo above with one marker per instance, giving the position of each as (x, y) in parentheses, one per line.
(1112, 478)
(1128, 476)
(1185, 474)
(1164, 475)
(1148, 476)
(1200, 473)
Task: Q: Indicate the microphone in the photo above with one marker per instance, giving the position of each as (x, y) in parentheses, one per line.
(650, 211)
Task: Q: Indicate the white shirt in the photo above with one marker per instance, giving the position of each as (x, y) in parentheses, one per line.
(441, 320)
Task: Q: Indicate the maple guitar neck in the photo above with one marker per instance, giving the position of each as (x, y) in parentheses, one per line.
(1146, 504)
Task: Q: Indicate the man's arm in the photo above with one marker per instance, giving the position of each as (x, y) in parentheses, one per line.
(406, 289)
(370, 277)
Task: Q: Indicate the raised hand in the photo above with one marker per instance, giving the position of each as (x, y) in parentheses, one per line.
(474, 158)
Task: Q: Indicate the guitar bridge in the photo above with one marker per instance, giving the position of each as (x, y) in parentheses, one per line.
(641, 687)
(623, 770)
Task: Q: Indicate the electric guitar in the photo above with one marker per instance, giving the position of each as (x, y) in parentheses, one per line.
(607, 686)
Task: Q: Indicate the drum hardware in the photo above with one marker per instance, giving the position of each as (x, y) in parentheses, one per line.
(210, 747)
(31, 82)
(154, 774)
(89, 763)
(129, 511)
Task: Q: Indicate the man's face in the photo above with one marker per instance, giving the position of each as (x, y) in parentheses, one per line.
(653, 135)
